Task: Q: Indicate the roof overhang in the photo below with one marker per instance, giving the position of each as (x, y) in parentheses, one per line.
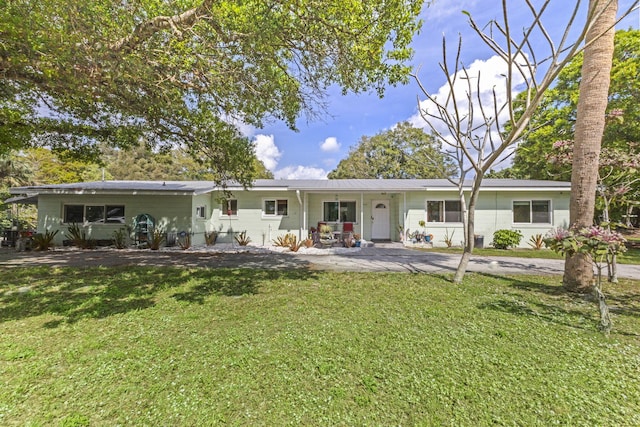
(28, 199)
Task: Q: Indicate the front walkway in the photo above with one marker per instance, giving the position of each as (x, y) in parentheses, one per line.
(382, 257)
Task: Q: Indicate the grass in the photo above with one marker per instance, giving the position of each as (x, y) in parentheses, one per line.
(632, 256)
(166, 346)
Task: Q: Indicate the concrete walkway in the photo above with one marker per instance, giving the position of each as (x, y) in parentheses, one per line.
(382, 257)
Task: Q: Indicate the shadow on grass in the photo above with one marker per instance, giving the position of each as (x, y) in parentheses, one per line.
(555, 305)
(550, 310)
(94, 293)
(237, 282)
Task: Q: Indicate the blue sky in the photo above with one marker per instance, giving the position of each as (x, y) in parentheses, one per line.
(319, 145)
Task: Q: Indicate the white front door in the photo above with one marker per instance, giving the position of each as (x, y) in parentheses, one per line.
(380, 219)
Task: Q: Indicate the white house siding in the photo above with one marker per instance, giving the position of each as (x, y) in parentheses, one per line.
(262, 229)
(171, 212)
(176, 211)
(494, 211)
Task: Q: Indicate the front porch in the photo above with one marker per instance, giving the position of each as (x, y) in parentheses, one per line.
(373, 216)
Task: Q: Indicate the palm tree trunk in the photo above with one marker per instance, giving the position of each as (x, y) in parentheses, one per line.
(590, 121)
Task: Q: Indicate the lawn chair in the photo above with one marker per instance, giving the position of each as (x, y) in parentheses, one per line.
(347, 230)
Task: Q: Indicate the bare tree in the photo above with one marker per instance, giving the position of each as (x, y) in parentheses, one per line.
(478, 132)
(590, 122)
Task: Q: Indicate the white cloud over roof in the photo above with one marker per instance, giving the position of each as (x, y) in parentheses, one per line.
(300, 172)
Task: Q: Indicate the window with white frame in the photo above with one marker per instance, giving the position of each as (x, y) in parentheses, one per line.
(340, 210)
(276, 207)
(229, 207)
(201, 212)
(444, 211)
(532, 212)
(95, 214)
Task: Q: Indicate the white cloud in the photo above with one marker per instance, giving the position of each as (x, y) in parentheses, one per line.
(491, 73)
(330, 144)
(300, 172)
(267, 151)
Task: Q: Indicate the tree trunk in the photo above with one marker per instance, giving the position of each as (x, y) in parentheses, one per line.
(590, 121)
(470, 230)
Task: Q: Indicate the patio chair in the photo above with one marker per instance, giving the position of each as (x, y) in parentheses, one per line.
(347, 230)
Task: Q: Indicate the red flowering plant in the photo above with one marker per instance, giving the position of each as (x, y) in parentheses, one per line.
(601, 245)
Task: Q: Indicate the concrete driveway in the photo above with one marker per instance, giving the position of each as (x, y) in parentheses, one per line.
(382, 257)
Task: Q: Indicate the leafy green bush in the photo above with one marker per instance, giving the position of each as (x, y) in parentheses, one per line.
(505, 239)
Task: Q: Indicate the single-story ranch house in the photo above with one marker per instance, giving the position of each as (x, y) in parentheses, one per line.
(375, 209)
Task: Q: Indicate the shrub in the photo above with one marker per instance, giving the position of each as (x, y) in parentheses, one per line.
(536, 241)
(210, 237)
(243, 239)
(283, 241)
(448, 238)
(79, 237)
(184, 240)
(157, 236)
(290, 241)
(120, 238)
(44, 242)
(505, 239)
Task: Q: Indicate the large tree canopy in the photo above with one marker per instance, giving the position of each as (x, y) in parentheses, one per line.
(555, 119)
(73, 73)
(403, 152)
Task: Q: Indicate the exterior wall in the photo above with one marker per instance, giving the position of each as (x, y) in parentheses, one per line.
(416, 212)
(178, 213)
(262, 229)
(494, 211)
(171, 212)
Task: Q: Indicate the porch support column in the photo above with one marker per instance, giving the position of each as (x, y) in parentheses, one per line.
(301, 222)
(404, 216)
(362, 215)
(305, 219)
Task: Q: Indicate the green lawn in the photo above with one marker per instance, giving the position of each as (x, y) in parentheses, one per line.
(165, 346)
